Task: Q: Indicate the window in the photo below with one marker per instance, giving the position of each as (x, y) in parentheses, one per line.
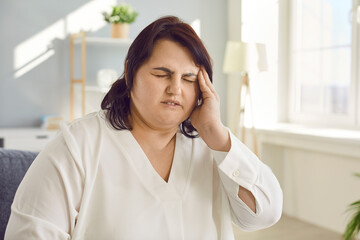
(324, 62)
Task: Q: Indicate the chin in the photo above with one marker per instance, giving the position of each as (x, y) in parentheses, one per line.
(169, 124)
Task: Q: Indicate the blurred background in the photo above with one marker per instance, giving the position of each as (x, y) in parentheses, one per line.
(302, 115)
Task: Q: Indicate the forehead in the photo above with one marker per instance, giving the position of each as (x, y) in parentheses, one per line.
(167, 51)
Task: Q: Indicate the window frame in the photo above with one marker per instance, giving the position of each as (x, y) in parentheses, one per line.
(356, 10)
(350, 120)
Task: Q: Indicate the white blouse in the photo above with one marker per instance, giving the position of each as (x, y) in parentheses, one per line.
(94, 182)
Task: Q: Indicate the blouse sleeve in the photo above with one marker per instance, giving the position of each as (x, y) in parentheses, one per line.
(47, 201)
(241, 167)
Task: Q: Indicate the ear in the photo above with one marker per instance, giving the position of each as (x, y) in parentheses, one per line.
(200, 100)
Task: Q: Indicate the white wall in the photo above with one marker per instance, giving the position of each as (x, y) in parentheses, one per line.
(316, 175)
(34, 59)
(318, 187)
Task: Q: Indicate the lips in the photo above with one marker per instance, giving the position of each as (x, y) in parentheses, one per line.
(171, 102)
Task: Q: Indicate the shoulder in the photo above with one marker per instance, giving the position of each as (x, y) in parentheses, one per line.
(85, 131)
(92, 120)
(91, 124)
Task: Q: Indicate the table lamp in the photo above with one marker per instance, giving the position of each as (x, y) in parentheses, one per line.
(243, 58)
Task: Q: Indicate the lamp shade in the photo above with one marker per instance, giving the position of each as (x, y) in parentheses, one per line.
(244, 57)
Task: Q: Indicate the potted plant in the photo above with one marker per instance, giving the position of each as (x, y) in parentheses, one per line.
(120, 18)
(353, 227)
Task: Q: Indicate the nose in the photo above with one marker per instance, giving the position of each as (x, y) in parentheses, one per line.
(174, 86)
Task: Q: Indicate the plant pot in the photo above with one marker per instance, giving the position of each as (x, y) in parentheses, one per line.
(120, 30)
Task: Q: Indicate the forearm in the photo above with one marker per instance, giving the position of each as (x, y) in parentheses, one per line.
(253, 191)
(218, 139)
(268, 195)
(248, 198)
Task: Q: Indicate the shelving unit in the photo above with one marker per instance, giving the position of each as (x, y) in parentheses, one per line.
(105, 41)
(82, 80)
(28, 139)
(82, 40)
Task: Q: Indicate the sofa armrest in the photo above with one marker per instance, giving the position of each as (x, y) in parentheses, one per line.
(13, 166)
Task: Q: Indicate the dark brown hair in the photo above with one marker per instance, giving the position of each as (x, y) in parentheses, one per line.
(117, 102)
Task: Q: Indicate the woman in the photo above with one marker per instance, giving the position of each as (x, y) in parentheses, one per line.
(155, 163)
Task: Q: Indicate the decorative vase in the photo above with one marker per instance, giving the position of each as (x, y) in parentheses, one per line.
(120, 30)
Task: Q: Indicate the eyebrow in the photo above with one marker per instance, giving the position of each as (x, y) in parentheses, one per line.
(189, 75)
(164, 69)
(171, 72)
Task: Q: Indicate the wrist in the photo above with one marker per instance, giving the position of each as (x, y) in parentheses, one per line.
(216, 137)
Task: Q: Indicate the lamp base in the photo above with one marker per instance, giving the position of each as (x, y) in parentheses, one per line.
(245, 89)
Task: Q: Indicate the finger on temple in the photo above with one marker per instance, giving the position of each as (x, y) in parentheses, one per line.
(207, 81)
(202, 82)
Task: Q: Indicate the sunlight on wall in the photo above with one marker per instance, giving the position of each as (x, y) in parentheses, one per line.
(254, 15)
(38, 48)
(88, 17)
(37, 60)
(31, 52)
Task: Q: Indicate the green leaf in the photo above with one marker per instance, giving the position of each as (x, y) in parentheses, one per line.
(122, 13)
(353, 227)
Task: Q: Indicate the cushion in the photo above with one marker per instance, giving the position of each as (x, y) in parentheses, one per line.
(13, 166)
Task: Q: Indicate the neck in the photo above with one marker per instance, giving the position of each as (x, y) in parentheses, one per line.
(157, 138)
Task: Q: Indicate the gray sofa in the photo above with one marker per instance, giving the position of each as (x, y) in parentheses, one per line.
(13, 166)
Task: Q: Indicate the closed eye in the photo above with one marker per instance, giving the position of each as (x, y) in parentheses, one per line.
(161, 75)
(189, 80)
(190, 77)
